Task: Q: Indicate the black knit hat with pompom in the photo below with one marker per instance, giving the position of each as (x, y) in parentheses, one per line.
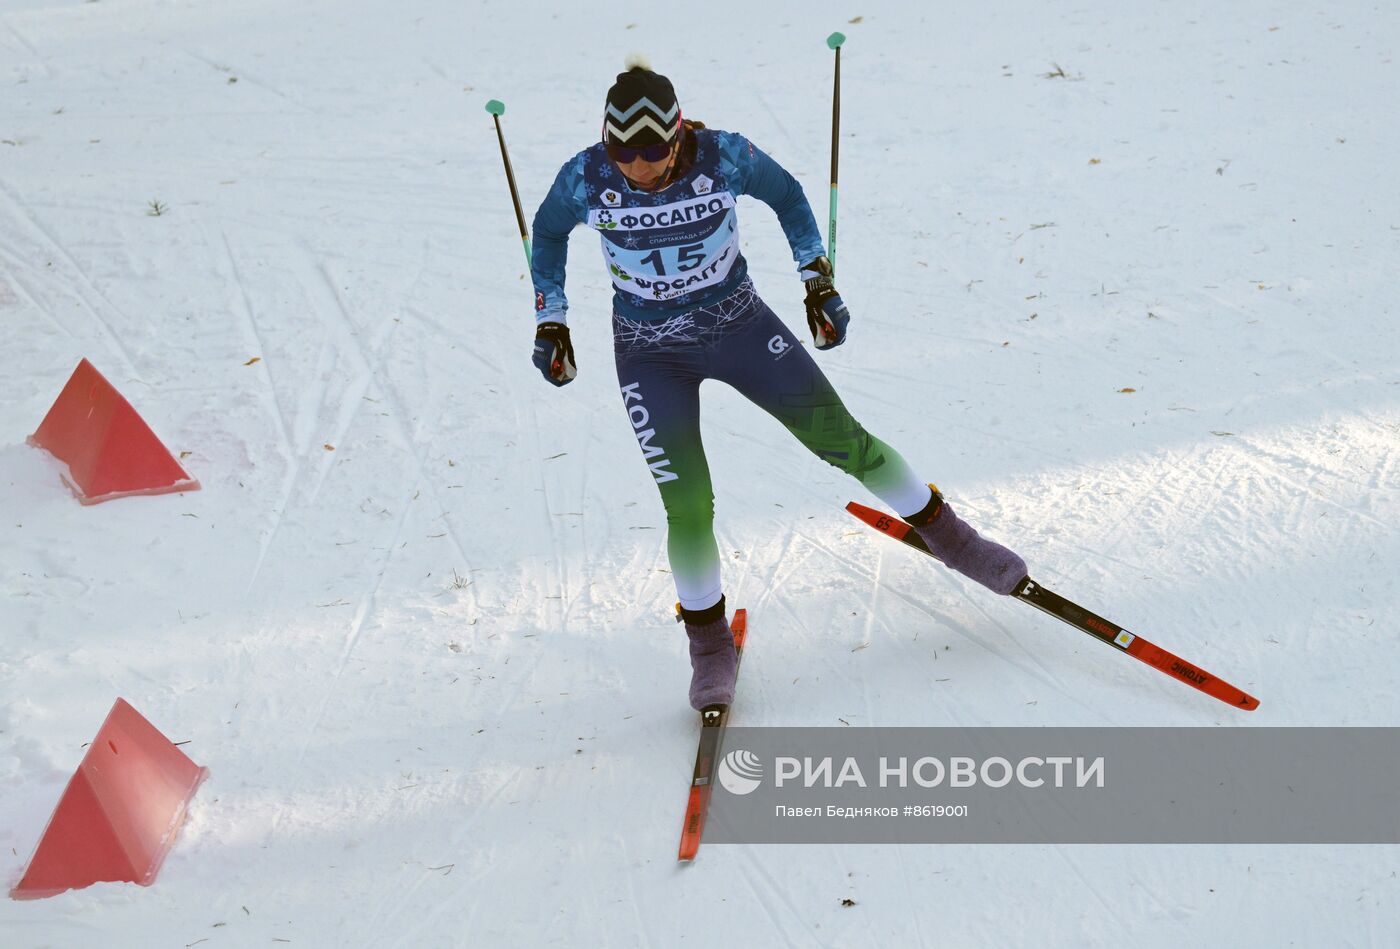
(641, 107)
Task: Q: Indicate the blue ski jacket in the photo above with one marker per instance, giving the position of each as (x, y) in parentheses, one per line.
(671, 250)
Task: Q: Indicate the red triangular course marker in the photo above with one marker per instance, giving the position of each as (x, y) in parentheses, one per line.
(107, 448)
(119, 815)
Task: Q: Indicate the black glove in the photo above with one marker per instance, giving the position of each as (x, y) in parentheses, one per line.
(827, 315)
(554, 354)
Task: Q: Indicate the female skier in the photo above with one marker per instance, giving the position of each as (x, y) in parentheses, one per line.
(659, 190)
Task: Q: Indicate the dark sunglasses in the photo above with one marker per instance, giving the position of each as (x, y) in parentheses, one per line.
(625, 156)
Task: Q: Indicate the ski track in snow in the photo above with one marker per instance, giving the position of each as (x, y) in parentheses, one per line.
(291, 456)
(26, 45)
(245, 76)
(86, 293)
(1028, 663)
(774, 903)
(13, 265)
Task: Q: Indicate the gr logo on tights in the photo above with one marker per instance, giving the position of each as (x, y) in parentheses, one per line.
(777, 345)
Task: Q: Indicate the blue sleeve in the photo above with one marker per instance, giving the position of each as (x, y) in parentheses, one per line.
(752, 172)
(560, 212)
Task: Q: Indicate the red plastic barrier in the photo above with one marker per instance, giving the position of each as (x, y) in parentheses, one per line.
(110, 452)
(119, 815)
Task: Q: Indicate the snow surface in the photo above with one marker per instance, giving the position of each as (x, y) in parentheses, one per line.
(417, 621)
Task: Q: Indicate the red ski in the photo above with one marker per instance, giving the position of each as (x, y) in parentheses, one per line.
(712, 721)
(1081, 619)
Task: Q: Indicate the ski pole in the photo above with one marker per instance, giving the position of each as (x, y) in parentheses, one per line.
(834, 41)
(497, 108)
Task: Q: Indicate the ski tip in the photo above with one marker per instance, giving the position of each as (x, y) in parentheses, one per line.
(1247, 703)
(867, 514)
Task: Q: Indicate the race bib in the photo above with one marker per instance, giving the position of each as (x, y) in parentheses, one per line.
(663, 252)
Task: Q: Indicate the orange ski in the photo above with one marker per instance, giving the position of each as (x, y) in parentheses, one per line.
(1081, 619)
(712, 722)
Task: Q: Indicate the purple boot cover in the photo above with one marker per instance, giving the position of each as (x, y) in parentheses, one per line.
(964, 550)
(713, 663)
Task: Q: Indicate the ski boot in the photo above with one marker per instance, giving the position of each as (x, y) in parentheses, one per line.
(713, 661)
(962, 549)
